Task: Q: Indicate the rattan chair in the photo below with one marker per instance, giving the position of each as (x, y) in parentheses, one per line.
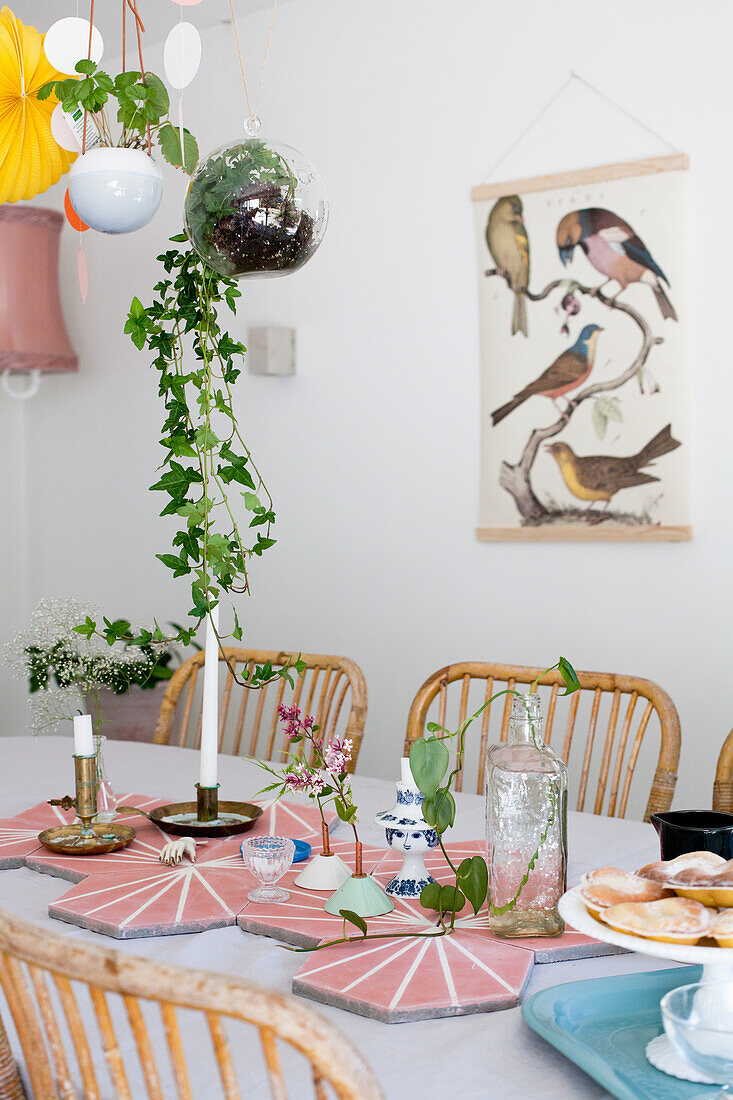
(89, 1019)
(332, 688)
(602, 696)
(723, 785)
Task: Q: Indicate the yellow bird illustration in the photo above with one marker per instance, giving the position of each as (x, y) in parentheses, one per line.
(599, 477)
(506, 237)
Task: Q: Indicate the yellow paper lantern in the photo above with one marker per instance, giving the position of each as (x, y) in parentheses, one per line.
(30, 159)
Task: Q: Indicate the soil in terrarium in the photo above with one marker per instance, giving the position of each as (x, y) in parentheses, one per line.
(260, 232)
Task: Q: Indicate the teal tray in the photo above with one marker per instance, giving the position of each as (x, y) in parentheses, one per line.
(604, 1025)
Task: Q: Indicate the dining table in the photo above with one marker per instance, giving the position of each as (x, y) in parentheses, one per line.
(482, 1054)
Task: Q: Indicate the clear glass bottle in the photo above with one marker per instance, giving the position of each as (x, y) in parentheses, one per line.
(526, 828)
(106, 798)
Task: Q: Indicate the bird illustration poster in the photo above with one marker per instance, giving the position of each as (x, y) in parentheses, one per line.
(584, 384)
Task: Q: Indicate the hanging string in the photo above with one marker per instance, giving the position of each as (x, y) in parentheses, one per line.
(553, 99)
(138, 25)
(253, 114)
(180, 106)
(124, 32)
(89, 57)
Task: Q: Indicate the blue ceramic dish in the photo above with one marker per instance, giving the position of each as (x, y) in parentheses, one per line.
(302, 850)
(604, 1025)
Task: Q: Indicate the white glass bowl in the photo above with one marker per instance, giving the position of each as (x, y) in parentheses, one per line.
(255, 208)
(698, 1020)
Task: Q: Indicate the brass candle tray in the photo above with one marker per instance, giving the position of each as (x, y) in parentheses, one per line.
(181, 818)
(105, 837)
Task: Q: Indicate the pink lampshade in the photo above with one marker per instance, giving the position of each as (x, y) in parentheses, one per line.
(32, 331)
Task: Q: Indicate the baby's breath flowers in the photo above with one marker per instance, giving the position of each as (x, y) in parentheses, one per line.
(64, 667)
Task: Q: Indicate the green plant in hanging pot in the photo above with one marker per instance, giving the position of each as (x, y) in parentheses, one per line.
(256, 207)
(115, 186)
(208, 475)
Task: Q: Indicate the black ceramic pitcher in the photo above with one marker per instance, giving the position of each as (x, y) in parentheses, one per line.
(682, 831)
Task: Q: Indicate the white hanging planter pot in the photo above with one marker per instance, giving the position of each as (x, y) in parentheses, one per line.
(115, 190)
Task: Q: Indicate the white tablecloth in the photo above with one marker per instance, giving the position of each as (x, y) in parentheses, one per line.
(491, 1054)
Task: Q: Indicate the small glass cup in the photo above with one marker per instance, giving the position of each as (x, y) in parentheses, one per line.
(698, 1020)
(268, 858)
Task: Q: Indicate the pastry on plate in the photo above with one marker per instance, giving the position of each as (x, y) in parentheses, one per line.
(610, 886)
(722, 928)
(664, 870)
(671, 920)
(712, 885)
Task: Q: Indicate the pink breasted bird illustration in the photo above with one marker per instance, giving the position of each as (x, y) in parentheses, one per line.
(614, 249)
(570, 370)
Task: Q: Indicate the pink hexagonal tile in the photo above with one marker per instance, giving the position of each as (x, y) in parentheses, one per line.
(570, 945)
(19, 835)
(423, 978)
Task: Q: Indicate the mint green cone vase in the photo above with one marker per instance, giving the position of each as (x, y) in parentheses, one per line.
(362, 895)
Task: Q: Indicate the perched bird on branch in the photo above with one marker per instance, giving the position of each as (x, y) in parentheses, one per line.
(508, 243)
(570, 370)
(599, 477)
(614, 249)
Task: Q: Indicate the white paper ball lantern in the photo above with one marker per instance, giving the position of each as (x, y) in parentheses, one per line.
(256, 208)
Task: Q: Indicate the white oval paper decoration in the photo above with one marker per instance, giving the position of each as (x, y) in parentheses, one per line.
(67, 42)
(182, 55)
(62, 133)
(186, 3)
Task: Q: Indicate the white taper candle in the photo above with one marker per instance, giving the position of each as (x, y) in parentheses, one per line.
(210, 712)
(407, 777)
(83, 739)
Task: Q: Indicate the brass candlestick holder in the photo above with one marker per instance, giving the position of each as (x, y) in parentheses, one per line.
(85, 838)
(207, 816)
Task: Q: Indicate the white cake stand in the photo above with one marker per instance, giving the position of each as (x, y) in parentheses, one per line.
(716, 962)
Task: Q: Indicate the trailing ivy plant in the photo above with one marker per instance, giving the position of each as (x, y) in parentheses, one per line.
(208, 475)
(429, 762)
(142, 102)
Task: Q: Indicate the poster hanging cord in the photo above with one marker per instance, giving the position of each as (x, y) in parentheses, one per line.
(553, 99)
(253, 114)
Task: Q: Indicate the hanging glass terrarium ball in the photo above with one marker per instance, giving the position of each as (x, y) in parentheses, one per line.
(256, 208)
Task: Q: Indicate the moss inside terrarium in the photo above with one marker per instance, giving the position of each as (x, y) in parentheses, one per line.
(242, 213)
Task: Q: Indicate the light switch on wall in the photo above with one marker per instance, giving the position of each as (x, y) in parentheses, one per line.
(271, 350)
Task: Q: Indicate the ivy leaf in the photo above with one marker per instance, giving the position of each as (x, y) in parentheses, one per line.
(428, 762)
(572, 683)
(473, 879)
(251, 501)
(135, 325)
(87, 628)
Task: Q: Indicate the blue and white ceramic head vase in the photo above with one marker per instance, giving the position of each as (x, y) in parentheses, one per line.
(408, 832)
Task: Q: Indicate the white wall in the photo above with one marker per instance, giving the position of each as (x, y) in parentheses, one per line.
(371, 451)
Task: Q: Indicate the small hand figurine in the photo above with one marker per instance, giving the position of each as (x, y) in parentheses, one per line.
(409, 833)
(174, 850)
